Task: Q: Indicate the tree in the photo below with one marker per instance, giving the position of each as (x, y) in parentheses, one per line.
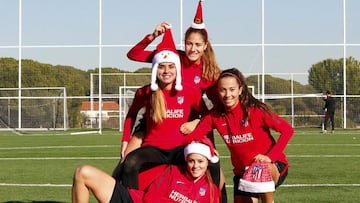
(328, 75)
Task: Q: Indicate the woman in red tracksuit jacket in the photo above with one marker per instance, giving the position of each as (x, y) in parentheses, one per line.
(198, 65)
(198, 69)
(244, 123)
(189, 183)
(168, 103)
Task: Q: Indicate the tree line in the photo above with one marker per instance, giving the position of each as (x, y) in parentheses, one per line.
(323, 75)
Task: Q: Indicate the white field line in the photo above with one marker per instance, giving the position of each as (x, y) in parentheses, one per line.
(106, 146)
(58, 147)
(84, 133)
(317, 145)
(317, 156)
(103, 146)
(348, 145)
(35, 185)
(321, 185)
(58, 158)
(313, 185)
(324, 156)
(228, 186)
(110, 158)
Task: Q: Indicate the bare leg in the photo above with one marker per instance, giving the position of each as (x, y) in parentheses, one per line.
(88, 178)
(274, 172)
(222, 187)
(245, 199)
(269, 196)
(134, 143)
(222, 179)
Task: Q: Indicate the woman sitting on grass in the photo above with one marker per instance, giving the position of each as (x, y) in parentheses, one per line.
(190, 183)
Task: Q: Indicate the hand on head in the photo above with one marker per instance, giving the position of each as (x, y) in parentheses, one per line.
(160, 29)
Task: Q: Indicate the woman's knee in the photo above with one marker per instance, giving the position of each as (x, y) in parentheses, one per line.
(131, 163)
(82, 172)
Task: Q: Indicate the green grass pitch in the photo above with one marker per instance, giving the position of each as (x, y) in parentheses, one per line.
(38, 166)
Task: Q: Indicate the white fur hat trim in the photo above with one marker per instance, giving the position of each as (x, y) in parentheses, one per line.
(202, 149)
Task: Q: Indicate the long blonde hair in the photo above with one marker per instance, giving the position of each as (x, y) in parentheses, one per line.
(158, 105)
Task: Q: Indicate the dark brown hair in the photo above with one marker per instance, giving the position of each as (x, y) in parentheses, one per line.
(246, 98)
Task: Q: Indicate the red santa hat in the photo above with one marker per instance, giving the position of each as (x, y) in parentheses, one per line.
(202, 146)
(257, 179)
(166, 52)
(198, 20)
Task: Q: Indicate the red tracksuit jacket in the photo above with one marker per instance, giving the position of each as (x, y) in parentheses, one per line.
(175, 185)
(164, 135)
(247, 139)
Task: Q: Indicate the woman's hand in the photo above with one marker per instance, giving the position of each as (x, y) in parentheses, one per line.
(160, 29)
(123, 149)
(262, 158)
(188, 127)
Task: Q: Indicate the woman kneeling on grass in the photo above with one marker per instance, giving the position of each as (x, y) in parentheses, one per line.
(192, 183)
(245, 124)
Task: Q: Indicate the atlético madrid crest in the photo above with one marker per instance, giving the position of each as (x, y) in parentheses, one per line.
(202, 191)
(180, 99)
(197, 79)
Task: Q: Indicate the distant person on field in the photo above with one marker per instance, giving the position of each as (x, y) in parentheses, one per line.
(329, 109)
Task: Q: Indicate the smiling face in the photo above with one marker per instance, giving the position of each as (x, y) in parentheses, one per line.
(196, 165)
(166, 75)
(195, 45)
(229, 91)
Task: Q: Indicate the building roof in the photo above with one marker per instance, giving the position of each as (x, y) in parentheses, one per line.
(106, 106)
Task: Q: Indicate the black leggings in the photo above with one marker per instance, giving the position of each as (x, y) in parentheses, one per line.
(147, 157)
(330, 115)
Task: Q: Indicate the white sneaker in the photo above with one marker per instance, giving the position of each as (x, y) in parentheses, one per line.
(325, 131)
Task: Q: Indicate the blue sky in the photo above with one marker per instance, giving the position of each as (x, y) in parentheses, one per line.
(297, 33)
